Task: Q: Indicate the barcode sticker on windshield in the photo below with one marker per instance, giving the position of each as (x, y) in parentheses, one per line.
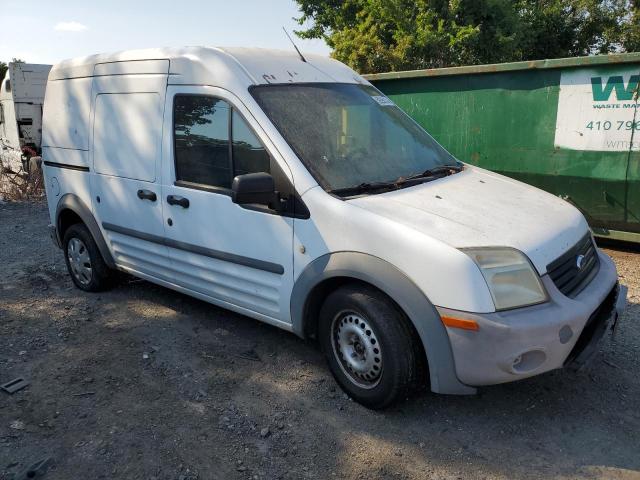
(382, 100)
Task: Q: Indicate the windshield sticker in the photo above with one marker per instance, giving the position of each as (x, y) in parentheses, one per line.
(382, 100)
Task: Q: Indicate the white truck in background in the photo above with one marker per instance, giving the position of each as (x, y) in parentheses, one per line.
(21, 98)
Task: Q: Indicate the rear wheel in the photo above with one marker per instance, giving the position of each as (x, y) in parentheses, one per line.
(84, 261)
(370, 347)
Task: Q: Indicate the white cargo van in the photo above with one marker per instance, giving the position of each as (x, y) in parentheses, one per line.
(290, 190)
(21, 97)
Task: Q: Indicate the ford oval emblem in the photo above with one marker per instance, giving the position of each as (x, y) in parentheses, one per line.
(579, 261)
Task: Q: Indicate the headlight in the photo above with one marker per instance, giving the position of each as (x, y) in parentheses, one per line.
(510, 276)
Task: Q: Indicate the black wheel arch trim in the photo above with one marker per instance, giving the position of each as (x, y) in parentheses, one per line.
(401, 289)
(70, 201)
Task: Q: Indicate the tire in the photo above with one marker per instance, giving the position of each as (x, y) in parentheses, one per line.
(361, 323)
(84, 261)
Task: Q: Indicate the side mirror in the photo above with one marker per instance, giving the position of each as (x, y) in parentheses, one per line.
(257, 188)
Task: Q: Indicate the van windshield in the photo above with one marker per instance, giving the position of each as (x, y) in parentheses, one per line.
(349, 134)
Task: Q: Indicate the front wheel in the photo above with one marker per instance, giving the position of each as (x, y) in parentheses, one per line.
(370, 347)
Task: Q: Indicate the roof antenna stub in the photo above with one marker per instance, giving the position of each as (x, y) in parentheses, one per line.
(294, 45)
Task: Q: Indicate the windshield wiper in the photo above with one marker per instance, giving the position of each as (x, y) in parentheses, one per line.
(367, 187)
(438, 171)
(434, 172)
(364, 187)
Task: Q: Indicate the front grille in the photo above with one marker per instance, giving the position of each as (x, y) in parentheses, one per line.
(564, 271)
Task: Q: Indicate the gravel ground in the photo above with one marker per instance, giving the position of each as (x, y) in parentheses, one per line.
(145, 383)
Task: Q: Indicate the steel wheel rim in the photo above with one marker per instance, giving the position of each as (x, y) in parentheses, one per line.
(356, 349)
(79, 261)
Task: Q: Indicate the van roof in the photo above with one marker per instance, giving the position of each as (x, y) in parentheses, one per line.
(209, 65)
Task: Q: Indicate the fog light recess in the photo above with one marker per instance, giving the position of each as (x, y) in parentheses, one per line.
(528, 361)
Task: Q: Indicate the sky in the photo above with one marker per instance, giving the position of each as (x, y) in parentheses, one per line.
(47, 31)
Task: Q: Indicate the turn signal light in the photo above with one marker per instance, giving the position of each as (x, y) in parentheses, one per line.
(460, 323)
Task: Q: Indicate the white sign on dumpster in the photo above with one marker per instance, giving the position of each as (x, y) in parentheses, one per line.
(596, 110)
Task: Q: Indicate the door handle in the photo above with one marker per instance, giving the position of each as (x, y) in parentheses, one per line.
(147, 195)
(176, 200)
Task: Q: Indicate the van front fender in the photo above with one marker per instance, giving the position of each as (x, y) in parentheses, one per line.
(394, 283)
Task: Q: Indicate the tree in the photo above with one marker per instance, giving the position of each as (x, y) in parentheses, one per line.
(380, 35)
(4, 67)
(631, 30)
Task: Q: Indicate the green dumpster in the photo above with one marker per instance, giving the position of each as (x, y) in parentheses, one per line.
(570, 126)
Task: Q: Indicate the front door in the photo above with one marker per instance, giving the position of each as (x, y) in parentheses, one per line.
(235, 256)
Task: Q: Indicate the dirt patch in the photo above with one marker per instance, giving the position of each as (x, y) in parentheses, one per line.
(145, 383)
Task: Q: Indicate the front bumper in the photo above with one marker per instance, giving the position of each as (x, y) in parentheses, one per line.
(604, 319)
(523, 342)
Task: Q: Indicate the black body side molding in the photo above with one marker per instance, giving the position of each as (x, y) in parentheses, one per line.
(67, 166)
(207, 252)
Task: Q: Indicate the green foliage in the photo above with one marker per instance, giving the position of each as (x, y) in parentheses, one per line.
(382, 35)
(631, 29)
(4, 67)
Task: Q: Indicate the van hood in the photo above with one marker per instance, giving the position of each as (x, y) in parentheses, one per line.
(477, 208)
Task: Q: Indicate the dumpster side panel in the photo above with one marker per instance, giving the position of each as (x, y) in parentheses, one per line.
(506, 122)
(633, 180)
